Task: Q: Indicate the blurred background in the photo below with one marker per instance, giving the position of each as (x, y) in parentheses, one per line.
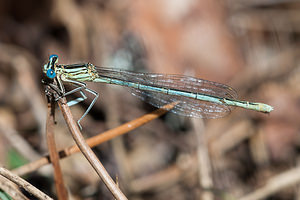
(252, 46)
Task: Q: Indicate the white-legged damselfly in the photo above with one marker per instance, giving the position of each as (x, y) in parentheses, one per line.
(195, 97)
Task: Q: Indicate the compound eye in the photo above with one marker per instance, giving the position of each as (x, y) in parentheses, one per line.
(51, 73)
(53, 56)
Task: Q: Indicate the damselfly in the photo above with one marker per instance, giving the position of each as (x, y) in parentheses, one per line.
(195, 97)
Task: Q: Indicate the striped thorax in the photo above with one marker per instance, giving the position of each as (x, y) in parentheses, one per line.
(80, 72)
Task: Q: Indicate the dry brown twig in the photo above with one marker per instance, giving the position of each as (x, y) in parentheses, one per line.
(96, 140)
(16, 57)
(185, 168)
(24, 184)
(87, 151)
(204, 163)
(77, 31)
(54, 157)
(17, 141)
(286, 179)
(11, 189)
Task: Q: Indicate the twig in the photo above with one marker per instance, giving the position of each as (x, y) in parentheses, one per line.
(17, 141)
(204, 164)
(62, 193)
(24, 184)
(275, 184)
(184, 168)
(87, 151)
(16, 57)
(32, 93)
(237, 133)
(77, 31)
(96, 140)
(279, 65)
(11, 189)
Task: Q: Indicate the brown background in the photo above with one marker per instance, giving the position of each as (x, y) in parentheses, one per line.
(251, 45)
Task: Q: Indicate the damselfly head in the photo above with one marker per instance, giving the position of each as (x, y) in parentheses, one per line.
(49, 68)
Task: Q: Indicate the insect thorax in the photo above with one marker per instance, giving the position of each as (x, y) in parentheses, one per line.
(78, 72)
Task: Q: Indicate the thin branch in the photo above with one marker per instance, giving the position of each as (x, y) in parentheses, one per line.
(167, 177)
(17, 141)
(87, 151)
(204, 163)
(32, 93)
(77, 31)
(11, 189)
(96, 140)
(24, 184)
(54, 157)
(275, 184)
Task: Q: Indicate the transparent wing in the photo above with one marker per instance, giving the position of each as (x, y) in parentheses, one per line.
(186, 106)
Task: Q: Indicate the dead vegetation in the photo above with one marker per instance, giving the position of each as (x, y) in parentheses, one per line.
(251, 45)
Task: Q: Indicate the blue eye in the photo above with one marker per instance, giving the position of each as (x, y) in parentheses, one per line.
(51, 73)
(53, 56)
